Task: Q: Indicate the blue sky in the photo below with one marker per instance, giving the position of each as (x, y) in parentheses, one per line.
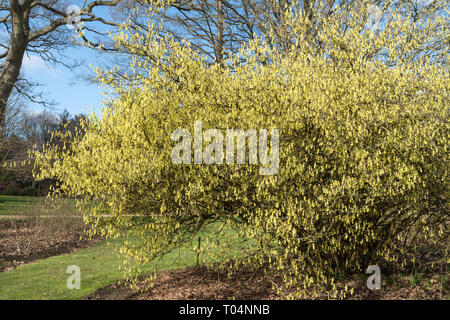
(64, 86)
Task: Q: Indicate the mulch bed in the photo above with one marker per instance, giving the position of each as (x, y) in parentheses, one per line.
(22, 243)
(401, 289)
(193, 284)
(203, 284)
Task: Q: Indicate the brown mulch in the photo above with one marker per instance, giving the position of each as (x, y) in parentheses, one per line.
(25, 242)
(193, 284)
(401, 289)
(203, 284)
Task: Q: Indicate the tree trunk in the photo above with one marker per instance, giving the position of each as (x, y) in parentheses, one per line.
(11, 68)
(220, 29)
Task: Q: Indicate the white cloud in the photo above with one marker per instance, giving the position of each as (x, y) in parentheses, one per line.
(31, 63)
(35, 65)
(4, 36)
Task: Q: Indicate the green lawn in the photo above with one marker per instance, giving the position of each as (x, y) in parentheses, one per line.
(99, 265)
(10, 205)
(20, 205)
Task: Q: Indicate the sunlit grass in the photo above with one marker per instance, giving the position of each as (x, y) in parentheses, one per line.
(100, 266)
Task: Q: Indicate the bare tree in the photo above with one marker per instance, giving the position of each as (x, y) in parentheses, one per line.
(38, 27)
(218, 27)
(37, 128)
(11, 129)
(213, 27)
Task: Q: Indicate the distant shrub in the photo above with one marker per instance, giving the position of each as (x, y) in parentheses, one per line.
(29, 192)
(6, 176)
(12, 190)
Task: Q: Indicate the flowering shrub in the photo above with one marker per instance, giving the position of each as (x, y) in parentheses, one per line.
(363, 150)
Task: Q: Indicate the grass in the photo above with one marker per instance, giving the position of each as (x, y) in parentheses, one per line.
(99, 265)
(10, 205)
(36, 206)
